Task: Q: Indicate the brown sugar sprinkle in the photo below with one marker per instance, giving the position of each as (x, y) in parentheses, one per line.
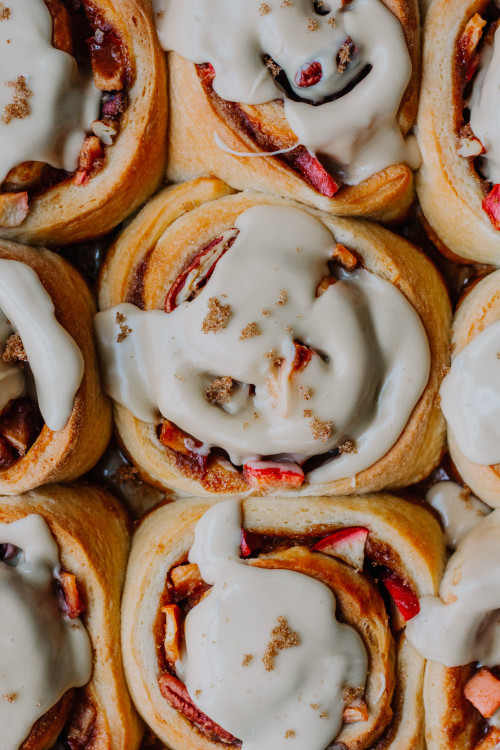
(251, 330)
(307, 413)
(283, 298)
(305, 393)
(498, 355)
(348, 446)
(9, 697)
(217, 317)
(321, 429)
(332, 22)
(219, 391)
(274, 68)
(197, 693)
(286, 4)
(19, 108)
(14, 353)
(245, 425)
(444, 370)
(4, 12)
(312, 24)
(323, 715)
(264, 9)
(344, 56)
(289, 734)
(270, 354)
(289, 329)
(266, 313)
(282, 637)
(246, 660)
(314, 706)
(349, 694)
(125, 330)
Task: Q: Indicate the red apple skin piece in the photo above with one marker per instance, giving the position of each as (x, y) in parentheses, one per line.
(265, 474)
(403, 595)
(309, 76)
(491, 204)
(249, 543)
(348, 544)
(310, 167)
(483, 691)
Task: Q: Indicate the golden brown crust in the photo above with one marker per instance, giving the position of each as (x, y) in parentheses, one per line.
(449, 188)
(91, 531)
(134, 166)
(158, 244)
(64, 455)
(479, 309)
(193, 153)
(410, 533)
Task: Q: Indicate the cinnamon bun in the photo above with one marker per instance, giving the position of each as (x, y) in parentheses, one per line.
(254, 346)
(62, 561)
(82, 101)
(458, 132)
(312, 101)
(55, 420)
(263, 623)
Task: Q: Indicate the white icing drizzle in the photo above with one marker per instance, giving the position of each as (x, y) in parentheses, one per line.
(470, 397)
(459, 510)
(62, 102)
(484, 105)
(357, 132)
(462, 625)
(54, 359)
(43, 653)
(373, 369)
(235, 620)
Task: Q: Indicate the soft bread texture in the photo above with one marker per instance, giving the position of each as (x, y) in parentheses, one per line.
(192, 152)
(160, 242)
(449, 188)
(412, 540)
(134, 164)
(479, 309)
(70, 452)
(91, 530)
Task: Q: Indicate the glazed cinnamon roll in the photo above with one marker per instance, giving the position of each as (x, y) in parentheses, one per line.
(309, 100)
(458, 133)
(55, 420)
(458, 631)
(253, 346)
(63, 553)
(82, 101)
(470, 393)
(263, 623)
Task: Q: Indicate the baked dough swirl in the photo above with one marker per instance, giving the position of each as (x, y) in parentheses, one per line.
(55, 420)
(457, 129)
(89, 529)
(259, 382)
(310, 101)
(82, 101)
(279, 537)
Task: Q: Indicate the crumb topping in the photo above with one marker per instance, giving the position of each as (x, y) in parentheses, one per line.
(321, 429)
(125, 330)
(286, 4)
(305, 392)
(19, 108)
(266, 313)
(350, 694)
(217, 317)
(218, 392)
(282, 637)
(289, 734)
(344, 56)
(323, 715)
(314, 706)
(270, 354)
(246, 660)
(348, 446)
(250, 331)
(14, 353)
(273, 67)
(9, 697)
(4, 12)
(332, 22)
(282, 299)
(264, 9)
(312, 24)
(307, 413)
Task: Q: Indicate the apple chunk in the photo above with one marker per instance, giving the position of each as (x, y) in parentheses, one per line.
(270, 475)
(347, 544)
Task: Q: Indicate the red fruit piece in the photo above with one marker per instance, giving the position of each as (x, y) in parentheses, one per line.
(310, 167)
(249, 543)
(483, 691)
(269, 475)
(309, 76)
(404, 597)
(73, 604)
(347, 544)
(491, 204)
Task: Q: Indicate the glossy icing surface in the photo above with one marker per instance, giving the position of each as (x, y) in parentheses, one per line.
(354, 121)
(42, 652)
(55, 361)
(484, 105)
(270, 672)
(460, 511)
(361, 382)
(46, 104)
